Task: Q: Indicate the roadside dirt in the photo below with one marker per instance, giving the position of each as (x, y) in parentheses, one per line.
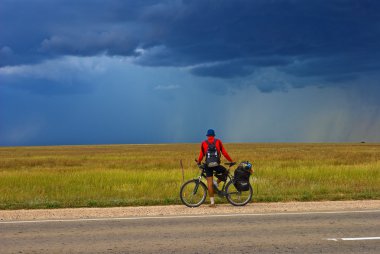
(76, 213)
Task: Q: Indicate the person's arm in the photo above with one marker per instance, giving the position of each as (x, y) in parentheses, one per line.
(224, 152)
(201, 154)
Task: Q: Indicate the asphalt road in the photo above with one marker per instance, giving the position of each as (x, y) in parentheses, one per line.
(332, 232)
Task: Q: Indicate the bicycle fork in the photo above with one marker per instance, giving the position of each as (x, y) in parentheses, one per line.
(197, 185)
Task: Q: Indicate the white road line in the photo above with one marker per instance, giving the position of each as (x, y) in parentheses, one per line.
(187, 216)
(353, 238)
(361, 238)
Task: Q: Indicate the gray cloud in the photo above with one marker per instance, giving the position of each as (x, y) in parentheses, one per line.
(330, 40)
(67, 75)
(224, 70)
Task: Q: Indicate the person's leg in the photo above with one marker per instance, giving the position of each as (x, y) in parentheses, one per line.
(210, 187)
(211, 190)
(209, 177)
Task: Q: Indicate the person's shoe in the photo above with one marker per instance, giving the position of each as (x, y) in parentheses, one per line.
(212, 205)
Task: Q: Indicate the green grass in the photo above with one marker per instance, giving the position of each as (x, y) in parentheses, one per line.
(123, 175)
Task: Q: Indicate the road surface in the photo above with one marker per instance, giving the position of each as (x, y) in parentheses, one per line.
(308, 232)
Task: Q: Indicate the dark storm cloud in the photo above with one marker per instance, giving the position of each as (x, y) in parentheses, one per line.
(37, 30)
(238, 68)
(336, 65)
(227, 70)
(226, 39)
(318, 38)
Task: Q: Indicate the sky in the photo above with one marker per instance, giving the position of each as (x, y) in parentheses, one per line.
(152, 71)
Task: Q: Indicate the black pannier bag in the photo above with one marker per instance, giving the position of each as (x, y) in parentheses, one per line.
(241, 177)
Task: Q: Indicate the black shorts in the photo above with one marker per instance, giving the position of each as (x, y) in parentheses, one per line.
(220, 172)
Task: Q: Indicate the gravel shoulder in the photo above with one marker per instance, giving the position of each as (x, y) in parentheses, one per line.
(172, 210)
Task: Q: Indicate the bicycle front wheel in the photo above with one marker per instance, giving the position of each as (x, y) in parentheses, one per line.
(236, 197)
(193, 193)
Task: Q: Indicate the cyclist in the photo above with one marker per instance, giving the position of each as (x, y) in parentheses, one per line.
(208, 148)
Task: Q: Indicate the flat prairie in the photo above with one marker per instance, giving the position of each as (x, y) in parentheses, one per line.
(130, 175)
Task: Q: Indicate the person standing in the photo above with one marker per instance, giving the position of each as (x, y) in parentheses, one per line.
(212, 149)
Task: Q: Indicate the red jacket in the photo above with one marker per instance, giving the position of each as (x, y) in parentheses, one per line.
(219, 148)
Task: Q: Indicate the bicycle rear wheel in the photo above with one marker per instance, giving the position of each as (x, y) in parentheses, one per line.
(193, 193)
(236, 197)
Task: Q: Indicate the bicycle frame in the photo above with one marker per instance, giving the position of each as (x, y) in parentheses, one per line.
(221, 192)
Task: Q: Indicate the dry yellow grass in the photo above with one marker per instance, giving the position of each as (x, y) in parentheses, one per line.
(114, 175)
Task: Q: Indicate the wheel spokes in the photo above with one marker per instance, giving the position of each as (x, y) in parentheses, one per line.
(237, 197)
(193, 193)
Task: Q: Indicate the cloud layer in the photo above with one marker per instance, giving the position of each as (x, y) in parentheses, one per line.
(329, 40)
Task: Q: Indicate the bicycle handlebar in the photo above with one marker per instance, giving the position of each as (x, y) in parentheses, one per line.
(230, 164)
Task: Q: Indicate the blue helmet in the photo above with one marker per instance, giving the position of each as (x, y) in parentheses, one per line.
(210, 132)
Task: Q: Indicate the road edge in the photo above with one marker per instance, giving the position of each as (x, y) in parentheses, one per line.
(180, 210)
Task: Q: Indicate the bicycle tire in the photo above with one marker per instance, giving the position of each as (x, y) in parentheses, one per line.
(232, 192)
(187, 193)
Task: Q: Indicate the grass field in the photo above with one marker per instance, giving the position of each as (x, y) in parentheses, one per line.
(122, 175)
